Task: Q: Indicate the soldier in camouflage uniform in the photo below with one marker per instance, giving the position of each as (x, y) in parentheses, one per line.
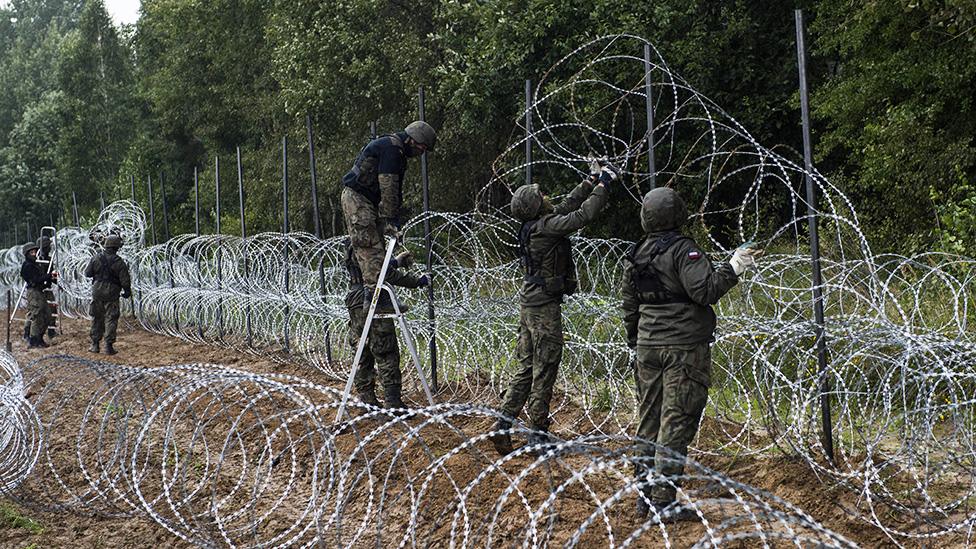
(382, 352)
(37, 281)
(44, 253)
(111, 280)
(549, 274)
(669, 286)
(371, 197)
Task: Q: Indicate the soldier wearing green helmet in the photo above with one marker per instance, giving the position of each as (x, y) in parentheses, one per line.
(37, 281)
(549, 276)
(372, 194)
(110, 280)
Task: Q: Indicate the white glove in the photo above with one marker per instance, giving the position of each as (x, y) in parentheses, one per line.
(594, 166)
(744, 259)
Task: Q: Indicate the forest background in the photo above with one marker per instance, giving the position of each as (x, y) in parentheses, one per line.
(84, 104)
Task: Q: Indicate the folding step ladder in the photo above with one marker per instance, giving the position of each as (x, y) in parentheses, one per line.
(382, 286)
(53, 298)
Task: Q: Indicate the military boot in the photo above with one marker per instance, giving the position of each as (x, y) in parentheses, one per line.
(94, 347)
(27, 328)
(392, 399)
(502, 441)
(539, 439)
(368, 396)
(672, 512)
(51, 332)
(37, 343)
(110, 349)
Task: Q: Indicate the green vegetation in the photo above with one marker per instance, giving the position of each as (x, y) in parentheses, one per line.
(84, 104)
(12, 518)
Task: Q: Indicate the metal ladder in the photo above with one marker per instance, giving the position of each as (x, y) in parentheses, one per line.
(48, 265)
(382, 286)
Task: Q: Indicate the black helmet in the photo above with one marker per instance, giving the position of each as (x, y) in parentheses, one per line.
(44, 242)
(422, 133)
(663, 210)
(112, 242)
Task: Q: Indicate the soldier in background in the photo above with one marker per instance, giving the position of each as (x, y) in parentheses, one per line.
(45, 254)
(382, 352)
(549, 275)
(111, 280)
(37, 280)
(669, 286)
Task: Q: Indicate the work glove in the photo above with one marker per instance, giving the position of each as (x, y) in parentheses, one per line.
(390, 229)
(594, 163)
(404, 260)
(424, 281)
(744, 258)
(608, 174)
(126, 293)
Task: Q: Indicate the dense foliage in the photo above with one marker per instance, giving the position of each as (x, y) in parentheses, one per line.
(86, 105)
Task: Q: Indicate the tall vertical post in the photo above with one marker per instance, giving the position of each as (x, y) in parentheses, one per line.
(818, 308)
(74, 206)
(162, 194)
(528, 132)
(432, 343)
(220, 250)
(318, 228)
(101, 201)
(372, 129)
(132, 187)
(285, 231)
(247, 271)
(651, 170)
(196, 226)
(152, 209)
(10, 306)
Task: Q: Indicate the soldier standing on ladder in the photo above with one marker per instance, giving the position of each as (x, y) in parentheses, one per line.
(37, 281)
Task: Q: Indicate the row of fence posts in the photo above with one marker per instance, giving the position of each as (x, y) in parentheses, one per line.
(811, 199)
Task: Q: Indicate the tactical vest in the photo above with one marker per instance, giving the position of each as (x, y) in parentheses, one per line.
(553, 269)
(363, 177)
(104, 273)
(646, 280)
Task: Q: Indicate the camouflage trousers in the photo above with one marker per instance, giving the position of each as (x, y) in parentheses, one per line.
(49, 297)
(38, 312)
(105, 319)
(382, 352)
(672, 390)
(539, 351)
(365, 230)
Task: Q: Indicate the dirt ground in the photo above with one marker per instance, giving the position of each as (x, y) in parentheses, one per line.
(24, 527)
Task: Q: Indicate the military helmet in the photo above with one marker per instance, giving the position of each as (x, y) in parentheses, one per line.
(422, 133)
(29, 247)
(112, 242)
(44, 242)
(663, 210)
(526, 202)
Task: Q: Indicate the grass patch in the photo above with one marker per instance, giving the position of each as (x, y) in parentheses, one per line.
(12, 518)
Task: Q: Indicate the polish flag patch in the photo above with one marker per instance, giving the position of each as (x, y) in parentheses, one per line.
(694, 254)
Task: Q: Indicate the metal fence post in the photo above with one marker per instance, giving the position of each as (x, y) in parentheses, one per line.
(528, 131)
(247, 271)
(650, 116)
(818, 307)
(318, 229)
(432, 343)
(285, 231)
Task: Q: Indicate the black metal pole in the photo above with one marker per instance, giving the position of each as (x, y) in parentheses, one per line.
(650, 116)
(285, 230)
(9, 309)
(818, 307)
(152, 209)
(196, 226)
(220, 250)
(132, 187)
(528, 132)
(247, 271)
(318, 228)
(162, 194)
(372, 129)
(74, 205)
(430, 255)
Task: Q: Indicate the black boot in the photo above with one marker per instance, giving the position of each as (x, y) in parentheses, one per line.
(94, 347)
(110, 349)
(368, 396)
(643, 503)
(672, 512)
(540, 440)
(51, 332)
(502, 441)
(392, 400)
(37, 343)
(27, 332)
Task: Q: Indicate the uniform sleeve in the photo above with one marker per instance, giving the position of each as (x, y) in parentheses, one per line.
(403, 279)
(704, 284)
(630, 306)
(575, 199)
(390, 167)
(573, 221)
